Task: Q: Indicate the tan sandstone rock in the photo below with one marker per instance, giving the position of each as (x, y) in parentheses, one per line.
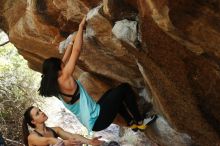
(175, 57)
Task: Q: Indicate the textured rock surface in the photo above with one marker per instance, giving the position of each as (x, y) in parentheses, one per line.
(176, 55)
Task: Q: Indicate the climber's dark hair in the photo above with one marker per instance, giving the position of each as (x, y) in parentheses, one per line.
(49, 84)
(27, 121)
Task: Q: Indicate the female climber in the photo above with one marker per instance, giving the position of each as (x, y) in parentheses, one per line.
(57, 80)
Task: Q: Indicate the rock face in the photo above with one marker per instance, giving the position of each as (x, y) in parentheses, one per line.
(170, 48)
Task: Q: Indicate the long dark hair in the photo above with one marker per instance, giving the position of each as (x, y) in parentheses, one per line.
(27, 121)
(49, 84)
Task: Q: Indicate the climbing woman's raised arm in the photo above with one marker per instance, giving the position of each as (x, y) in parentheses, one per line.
(76, 48)
(68, 50)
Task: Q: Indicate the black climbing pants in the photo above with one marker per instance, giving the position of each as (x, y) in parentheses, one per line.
(114, 101)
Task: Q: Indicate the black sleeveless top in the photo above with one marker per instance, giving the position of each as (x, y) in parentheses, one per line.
(54, 133)
(73, 97)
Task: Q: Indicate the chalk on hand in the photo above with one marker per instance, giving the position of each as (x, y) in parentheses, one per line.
(63, 45)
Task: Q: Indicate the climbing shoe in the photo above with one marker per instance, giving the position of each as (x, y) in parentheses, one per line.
(150, 119)
(141, 127)
(147, 121)
(134, 127)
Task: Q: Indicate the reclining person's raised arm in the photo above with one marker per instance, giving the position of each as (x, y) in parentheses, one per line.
(66, 135)
(37, 140)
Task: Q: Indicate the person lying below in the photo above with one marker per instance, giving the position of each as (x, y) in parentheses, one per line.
(48, 136)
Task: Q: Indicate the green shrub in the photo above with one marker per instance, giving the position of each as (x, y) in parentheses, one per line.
(18, 90)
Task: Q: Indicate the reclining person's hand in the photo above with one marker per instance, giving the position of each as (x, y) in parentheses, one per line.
(95, 141)
(72, 142)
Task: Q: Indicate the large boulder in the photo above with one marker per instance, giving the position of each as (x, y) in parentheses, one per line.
(167, 48)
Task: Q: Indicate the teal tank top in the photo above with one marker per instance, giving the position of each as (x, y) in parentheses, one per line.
(86, 109)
